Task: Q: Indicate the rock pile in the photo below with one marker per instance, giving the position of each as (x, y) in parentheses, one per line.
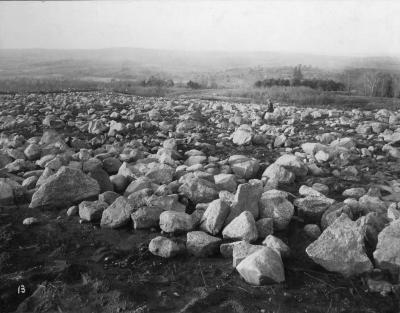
(174, 165)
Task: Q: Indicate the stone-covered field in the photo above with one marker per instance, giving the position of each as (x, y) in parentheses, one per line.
(117, 203)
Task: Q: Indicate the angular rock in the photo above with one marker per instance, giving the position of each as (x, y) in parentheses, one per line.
(387, 253)
(276, 206)
(91, 211)
(117, 214)
(246, 199)
(275, 243)
(242, 227)
(262, 267)
(201, 244)
(226, 182)
(243, 166)
(243, 135)
(66, 187)
(312, 208)
(172, 221)
(199, 190)
(146, 217)
(214, 217)
(340, 248)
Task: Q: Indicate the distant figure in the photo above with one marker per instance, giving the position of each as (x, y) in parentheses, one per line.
(270, 106)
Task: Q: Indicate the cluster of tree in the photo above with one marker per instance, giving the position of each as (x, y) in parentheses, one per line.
(372, 83)
(320, 84)
(193, 85)
(154, 81)
(298, 80)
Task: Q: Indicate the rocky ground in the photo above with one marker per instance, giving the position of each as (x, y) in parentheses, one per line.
(116, 203)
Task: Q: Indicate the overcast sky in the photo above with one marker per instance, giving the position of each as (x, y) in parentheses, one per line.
(323, 27)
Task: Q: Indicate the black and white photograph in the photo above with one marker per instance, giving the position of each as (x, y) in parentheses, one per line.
(200, 156)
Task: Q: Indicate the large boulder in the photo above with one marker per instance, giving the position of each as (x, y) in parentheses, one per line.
(279, 174)
(262, 267)
(246, 199)
(199, 190)
(275, 205)
(173, 221)
(117, 214)
(165, 247)
(340, 248)
(243, 166)
(293, 164)
(312, 208)
(201, 244)
(91, 211)
(242, 227)
(214, 217)
(387, 253)
(243, 135)
(68, 186)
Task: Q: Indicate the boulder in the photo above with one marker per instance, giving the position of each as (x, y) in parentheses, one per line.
(387, 253)
(172, 221)
(312, 208)
(91, 211)
(276, 206)
(262, 267)
(214, 217)
(243, 166)
(146, 217)
(243, 135)
(201, 244)
(199, 190)
(340, 248)
(117, 214)
(165, 247)
(68, 186)
(242, 227)
(246, 199)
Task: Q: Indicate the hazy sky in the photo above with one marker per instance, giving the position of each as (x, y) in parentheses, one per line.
(325, 27)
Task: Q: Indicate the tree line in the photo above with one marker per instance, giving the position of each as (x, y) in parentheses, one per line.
(298, 80)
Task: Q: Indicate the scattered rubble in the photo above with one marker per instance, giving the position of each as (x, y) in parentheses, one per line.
(217, 179)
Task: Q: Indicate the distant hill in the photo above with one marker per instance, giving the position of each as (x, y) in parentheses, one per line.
(136, 63)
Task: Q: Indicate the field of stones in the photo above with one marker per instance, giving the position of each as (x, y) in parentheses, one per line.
(118, 203)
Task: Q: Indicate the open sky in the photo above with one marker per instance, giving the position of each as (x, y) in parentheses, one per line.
(322, 27)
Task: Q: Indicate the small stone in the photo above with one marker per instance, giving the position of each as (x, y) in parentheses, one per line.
(165, 247)
(30, 221)
(72, 211)
(312, 231)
